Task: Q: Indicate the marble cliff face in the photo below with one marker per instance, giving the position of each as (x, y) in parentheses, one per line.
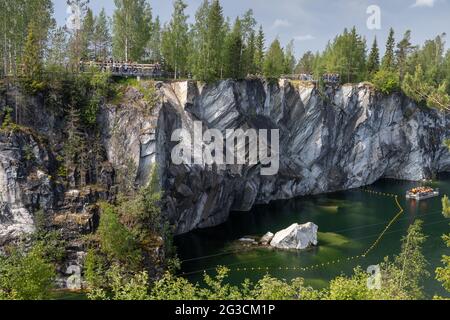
(343, 138)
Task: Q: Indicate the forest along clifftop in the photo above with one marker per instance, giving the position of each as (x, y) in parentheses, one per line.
(341, 138)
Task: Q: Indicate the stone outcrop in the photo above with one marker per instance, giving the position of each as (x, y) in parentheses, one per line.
(25, 183)
(343, 138)
(298, 237)
(266, 239)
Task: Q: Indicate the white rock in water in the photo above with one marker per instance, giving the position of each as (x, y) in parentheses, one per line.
(296, 237)
(265, 240)
(248, 240)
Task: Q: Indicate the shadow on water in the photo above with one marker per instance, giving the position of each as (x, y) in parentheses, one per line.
(349, 222)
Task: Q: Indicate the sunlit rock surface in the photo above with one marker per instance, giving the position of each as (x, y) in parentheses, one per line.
(298, 237)
(345, 137)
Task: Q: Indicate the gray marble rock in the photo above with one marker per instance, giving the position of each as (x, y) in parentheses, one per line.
(296, 237)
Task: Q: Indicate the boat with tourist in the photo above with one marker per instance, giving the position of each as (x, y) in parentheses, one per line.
(422, 193)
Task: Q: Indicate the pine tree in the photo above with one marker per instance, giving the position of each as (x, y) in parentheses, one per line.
(57, 53)
(87, 34)
(404, 48)
(131, 25)
(153, 50)
(76, 42)
(346, 55)
(259, 51)
(289, 58)
(248, 24)
(175, 39)
(373, 61)
(15, 19)
(207, 46)
(199, 54)
(233, 67)
(388, 62)
(215, 32)
(101, 36)
(32, 59)
(306, 64)
(274, 62)
(249, 53)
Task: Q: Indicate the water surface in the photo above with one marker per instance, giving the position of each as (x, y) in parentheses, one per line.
(349, 223)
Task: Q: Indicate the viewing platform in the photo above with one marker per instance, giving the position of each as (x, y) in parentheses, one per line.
(123, 69)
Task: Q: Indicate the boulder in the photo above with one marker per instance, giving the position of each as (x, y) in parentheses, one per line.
(265, 240)
(297, 237)
(248, 241)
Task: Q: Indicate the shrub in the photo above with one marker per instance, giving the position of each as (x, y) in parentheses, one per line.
(26, 276)
(386, 81)
(117, 241)
(446, 206)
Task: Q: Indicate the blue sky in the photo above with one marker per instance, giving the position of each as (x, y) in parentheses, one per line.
(311, 23)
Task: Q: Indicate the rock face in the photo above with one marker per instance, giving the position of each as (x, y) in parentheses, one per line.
(298, 237)
(345, 137)
(25, 183)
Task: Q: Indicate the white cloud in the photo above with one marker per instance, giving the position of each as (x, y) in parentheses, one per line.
(304, 37)
(281, 23)
(424, 3)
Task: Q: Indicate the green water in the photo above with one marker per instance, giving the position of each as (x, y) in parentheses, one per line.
(349, 223)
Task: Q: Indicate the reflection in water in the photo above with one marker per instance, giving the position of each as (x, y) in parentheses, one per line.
(349, 222)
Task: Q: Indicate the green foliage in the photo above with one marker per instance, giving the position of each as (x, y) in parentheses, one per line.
(443, 273)
(289, 58)
(404, 49)
(274, 61)
(171, 287)
(306, 64)
(373, 61)
(233, 50)
(95, 266)
(16, 19)
(269, 288)
(260, 51)
(388, 63)
(131, 29)
(346, 55)
(447, 143)
(422, 91)
(403, 277)
(386, 81)
(116, 241)
(7, 118)
(208, 33)
(99, 85)
(175, 40)
(217, 288)
(52, 244)
(446, 206)
(351, 288)
(26, 276)
(122, 285)
(32, 63)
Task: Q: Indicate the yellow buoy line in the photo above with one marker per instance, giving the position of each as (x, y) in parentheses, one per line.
(397, 216)
(325, 264)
